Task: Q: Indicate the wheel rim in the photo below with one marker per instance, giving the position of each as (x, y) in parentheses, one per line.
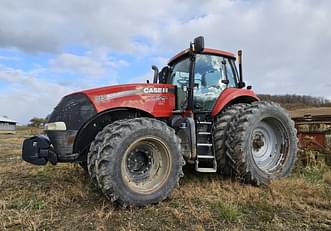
(146, 165)
(269, 145)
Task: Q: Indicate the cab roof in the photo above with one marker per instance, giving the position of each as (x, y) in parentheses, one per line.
(205, 51)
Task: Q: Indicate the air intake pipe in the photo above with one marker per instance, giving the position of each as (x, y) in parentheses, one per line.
(156, 73)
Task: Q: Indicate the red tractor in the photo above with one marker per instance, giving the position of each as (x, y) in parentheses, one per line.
(134, 139)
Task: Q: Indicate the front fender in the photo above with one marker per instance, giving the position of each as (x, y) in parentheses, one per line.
(233, 95)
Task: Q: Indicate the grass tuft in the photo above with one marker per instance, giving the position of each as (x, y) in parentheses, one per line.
(312, 174)
(327, 177)
(227, 212)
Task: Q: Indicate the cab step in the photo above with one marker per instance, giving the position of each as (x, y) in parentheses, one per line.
(204, 133)
(204, 145)
(205, 122)
(206, 169)
(205, 161)
(205, 157)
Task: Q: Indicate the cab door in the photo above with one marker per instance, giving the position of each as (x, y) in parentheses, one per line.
(179, 76)
(212, 74)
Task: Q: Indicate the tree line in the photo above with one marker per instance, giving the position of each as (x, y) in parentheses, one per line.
(297, 100)
(37, 122)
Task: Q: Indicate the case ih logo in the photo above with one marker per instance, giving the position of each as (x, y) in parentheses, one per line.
(108, 97)
(149, 90)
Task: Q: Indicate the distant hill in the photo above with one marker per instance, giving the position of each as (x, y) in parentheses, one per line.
(291, 102)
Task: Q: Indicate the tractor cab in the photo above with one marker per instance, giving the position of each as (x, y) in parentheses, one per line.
(212, 74)
(200, 76)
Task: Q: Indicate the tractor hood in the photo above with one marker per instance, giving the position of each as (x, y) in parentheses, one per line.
(75, 109)
(156, 99)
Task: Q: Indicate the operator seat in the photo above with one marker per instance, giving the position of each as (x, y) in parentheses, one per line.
(206, 97)
(203, 80)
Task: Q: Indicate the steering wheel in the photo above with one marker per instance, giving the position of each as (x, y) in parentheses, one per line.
(215, 86)
(182, 81)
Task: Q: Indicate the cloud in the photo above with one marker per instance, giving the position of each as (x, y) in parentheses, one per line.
(29, 96)
(47, 26)
(93, 64)
(9, 58)
(75, 63)
(286, 43)
(144, 77)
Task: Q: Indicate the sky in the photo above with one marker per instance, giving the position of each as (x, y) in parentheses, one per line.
(51, 48)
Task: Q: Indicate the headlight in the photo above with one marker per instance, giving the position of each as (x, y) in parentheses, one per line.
(55, 126)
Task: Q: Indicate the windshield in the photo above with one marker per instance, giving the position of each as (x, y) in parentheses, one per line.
(210, 78)
(211, 70)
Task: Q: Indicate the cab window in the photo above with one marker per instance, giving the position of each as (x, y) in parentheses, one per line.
(179, 76)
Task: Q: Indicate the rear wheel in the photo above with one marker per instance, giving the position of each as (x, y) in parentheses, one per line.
(139, 161)
(263, 143)
(225, 163)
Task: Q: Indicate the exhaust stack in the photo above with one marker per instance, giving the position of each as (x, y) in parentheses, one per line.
(241, 82)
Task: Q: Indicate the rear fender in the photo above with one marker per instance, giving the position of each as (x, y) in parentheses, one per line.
(231, 96)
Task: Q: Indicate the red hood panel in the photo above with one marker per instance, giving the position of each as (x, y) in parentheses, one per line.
(156, 99)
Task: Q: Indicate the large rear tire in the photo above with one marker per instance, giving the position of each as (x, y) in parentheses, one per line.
(262, 141)
(225, 163)
(139, 162)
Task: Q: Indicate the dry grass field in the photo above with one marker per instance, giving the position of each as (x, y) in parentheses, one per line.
(61, 197)
(310, 111)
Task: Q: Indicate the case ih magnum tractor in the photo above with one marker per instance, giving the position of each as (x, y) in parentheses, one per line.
(134, 139)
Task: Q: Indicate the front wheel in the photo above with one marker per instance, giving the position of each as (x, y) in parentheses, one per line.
(139, 161)
(263, 143)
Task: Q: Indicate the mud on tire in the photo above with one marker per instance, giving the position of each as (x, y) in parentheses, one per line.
(225, 163)
(94, 148)
(92, 155)
(262, 141)
(139, 161)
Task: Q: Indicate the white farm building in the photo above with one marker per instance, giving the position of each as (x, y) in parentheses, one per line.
(7, 126)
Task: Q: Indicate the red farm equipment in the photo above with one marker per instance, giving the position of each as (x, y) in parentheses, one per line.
(134, 139)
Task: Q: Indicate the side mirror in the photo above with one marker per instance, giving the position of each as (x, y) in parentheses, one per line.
(199, 44)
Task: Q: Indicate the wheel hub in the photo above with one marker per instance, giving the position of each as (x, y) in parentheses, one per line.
(266, 142)
(139, 163)
(258, 142)
(146, 164)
